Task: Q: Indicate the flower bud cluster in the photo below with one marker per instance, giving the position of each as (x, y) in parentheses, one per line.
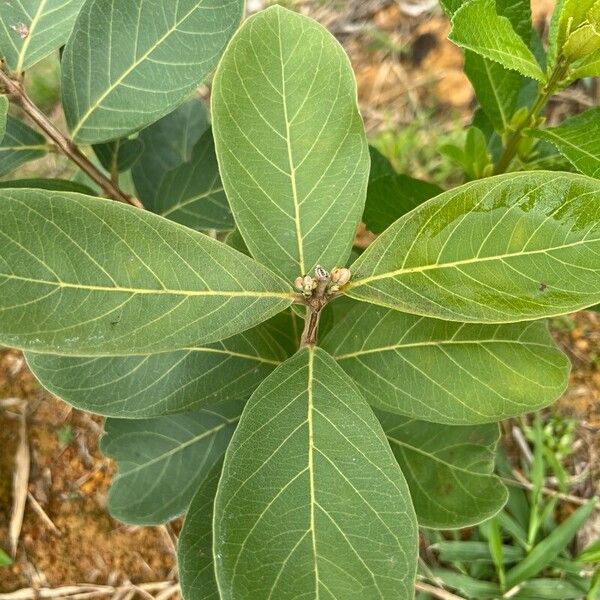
(338, 277)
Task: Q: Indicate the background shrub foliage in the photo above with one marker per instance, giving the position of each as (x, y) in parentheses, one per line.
(305, 462)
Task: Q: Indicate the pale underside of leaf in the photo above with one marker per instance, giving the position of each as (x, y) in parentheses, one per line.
(449, 470)
(129, 63)
(170, 382)
(311, 496)
(161, 462)
(290, 142)
(448, 372)
(511, 248)
(82, 276)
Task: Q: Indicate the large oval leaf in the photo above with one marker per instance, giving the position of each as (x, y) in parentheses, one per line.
(32, 29)
(290, 142)
(449, 470)
(448, 372)
(192, 194)
(167, 144)
(311, 497)
(162, 462)
(507, 248)
(83, 276)
(158, 384)
(194, 550)
(129, 63)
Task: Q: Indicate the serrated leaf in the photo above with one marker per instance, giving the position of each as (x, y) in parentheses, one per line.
(389, 196)
(119, 155)
(56, 185)
(449, 470)
(161, 462)
(127, 64)
(19, 145)
(448, 372)
(192, 194)
(194, 550)
(497, 88)
(514, 247)
(3, 115)
(31, 29)
(476, 26)
(290, 142)
(588, 67)
(82, 276)
(311, 496)
(158, 384)
(578, 139)
(167, 144)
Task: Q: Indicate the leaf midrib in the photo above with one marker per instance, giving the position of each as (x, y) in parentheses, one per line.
(438, 343)
(434, 457)
(151, 292)
(34, 21)
(179, 448)
(457, 263)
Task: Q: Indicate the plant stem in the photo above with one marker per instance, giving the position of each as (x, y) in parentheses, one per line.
(314, 305)
(544, 94)
(64, 144)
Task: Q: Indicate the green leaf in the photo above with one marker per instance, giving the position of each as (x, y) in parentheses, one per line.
(157, 384)
(548, 589)
(448, 372)
(19, 145)
(127, 64)
(5, 559)
(498, 89)
(578, 139)
(449, 470)
(3, 115)
(510, 248)
(590, 554)
(290, 142)
(32, 29)
(161, 462)
(550, 547)
(311, 496)
(119, 155)
(167, 144)
(476, 26)
(192, 193)
(83, 276)
(588, 67)
(466, 551)
(55, 185)
(392, 195)
(470, 587)
(194, 550)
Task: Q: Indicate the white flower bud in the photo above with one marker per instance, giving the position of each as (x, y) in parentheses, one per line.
(321, 273)
(343, 276)
(299, 283)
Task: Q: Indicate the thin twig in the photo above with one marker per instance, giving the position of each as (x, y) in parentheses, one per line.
(436, 592)
(20, 483)
(64, 144)
(521, 481)
(35, 505)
